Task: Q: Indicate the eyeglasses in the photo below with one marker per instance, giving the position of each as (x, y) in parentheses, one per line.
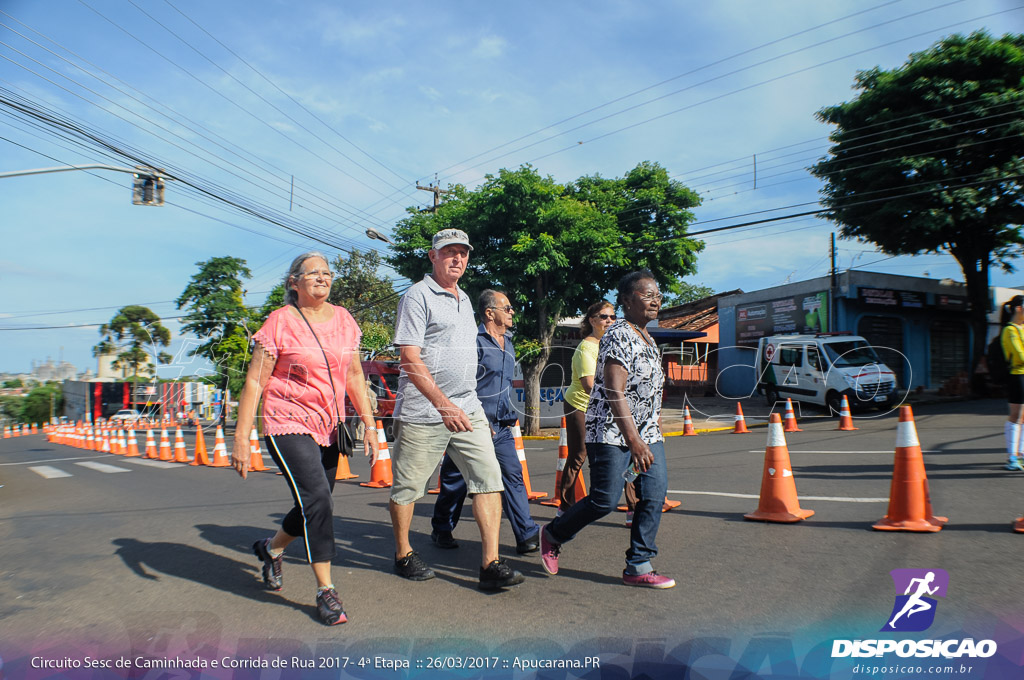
(507, 309)
(651, 297)
(318, 274)
(604, 317)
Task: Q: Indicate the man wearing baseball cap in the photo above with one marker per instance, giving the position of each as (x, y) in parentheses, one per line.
(437, 410)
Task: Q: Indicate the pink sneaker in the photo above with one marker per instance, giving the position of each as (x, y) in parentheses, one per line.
(549, 552)
(651, 579)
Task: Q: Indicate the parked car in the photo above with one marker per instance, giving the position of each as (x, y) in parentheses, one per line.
(128, 415)
(821, 369)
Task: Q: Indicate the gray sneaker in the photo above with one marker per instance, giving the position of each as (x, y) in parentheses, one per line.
(272, 576)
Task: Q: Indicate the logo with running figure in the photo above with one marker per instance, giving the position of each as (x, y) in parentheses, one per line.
(914, 609)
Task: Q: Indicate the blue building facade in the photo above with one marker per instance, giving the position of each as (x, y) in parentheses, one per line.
(920, 327)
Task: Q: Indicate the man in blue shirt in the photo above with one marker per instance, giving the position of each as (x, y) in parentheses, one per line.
(496, 364)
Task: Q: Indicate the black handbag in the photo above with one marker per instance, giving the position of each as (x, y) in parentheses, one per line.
(346, 445)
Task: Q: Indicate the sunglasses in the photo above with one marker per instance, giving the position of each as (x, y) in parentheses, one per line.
(605, 317)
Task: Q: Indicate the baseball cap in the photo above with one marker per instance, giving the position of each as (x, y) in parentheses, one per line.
(447, 237)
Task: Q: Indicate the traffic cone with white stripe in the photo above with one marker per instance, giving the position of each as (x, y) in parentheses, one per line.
(35, 428)
(845, 419)
(200, 458)
(517, 434)
(132, 449)
(255, 455)
(778, 501)
(789, 422)
(1018, 526)
(151, 451)
(380, 473)
(579, 489)
(7, 431)
(910, 503)
(165, 446)
(106, 442)
(220, 450)
(741, 424)
(688, 430)
(180, 450)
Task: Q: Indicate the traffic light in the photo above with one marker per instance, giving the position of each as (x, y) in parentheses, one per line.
(147, 188)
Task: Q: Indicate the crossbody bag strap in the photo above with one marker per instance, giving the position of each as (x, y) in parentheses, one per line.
(326, 361)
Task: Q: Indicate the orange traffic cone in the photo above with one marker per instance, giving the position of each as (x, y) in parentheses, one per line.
(133, 445)
(845, 419)
(180, 450)
(7, 431)
(122, 443)
(90, 439)
(778, 502)
(200, 457)
(344, 471)
(579, 489)
(517, 434)
(165, 446)
(256, 455)
(380, 473)
(910, 504)
(741, 424)
(688, 430)
(1018, 526)
(106, 442)
(789, 422)
(35, 428)
(220, 450)
(151, 451)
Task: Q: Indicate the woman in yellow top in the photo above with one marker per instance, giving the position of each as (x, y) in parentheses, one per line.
(1011, 318)
(599, 317)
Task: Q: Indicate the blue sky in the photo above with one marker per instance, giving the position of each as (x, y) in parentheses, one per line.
(360, 101)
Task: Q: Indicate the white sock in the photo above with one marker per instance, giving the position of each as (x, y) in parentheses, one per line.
(1012, 432)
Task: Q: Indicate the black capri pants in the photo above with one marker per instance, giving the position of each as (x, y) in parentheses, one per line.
(310, 470)
(1015, 389)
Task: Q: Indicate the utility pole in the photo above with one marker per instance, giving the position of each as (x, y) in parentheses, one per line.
(832, 286)
(437, 191)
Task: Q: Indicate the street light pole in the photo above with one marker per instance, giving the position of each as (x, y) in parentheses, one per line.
(374, 234)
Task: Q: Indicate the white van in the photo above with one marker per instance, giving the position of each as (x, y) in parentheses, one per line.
(820, 369)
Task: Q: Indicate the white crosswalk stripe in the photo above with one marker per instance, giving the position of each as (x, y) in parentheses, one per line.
(48, 471)
(102, 467)
(154, 463)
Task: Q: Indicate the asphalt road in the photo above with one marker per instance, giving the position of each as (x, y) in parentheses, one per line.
(102, 554)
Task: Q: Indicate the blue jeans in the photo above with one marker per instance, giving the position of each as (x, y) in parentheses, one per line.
(607, 463)
(448, 508)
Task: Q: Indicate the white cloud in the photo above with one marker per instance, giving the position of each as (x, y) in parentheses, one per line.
(490, 47)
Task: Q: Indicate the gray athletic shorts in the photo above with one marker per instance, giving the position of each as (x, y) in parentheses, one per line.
(418, 450)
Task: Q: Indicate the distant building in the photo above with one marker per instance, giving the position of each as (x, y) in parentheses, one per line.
(49, 370)
(920, 327)
(105, 369)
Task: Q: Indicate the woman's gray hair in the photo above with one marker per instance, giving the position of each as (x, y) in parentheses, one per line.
(290, 296)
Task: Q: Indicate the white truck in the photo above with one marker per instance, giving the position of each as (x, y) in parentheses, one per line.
(821, 369)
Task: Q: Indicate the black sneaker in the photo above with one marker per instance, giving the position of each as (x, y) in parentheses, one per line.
(413, 567)
(272, 577)
(444, 539)
(530, 545)
(329, 607)
(499, 575)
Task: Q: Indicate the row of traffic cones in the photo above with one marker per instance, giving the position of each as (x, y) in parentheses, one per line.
(910, 505)
(788, 419)
(20, 430)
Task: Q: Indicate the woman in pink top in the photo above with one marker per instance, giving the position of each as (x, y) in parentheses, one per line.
(302, 403)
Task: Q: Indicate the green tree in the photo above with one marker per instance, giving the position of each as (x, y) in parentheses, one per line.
(134, 335)
(13, 383)
(217, 315)
(556, 248)
(359, 288)
(10, 407)
(687, 292)
(929, 158)
(37, 404)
